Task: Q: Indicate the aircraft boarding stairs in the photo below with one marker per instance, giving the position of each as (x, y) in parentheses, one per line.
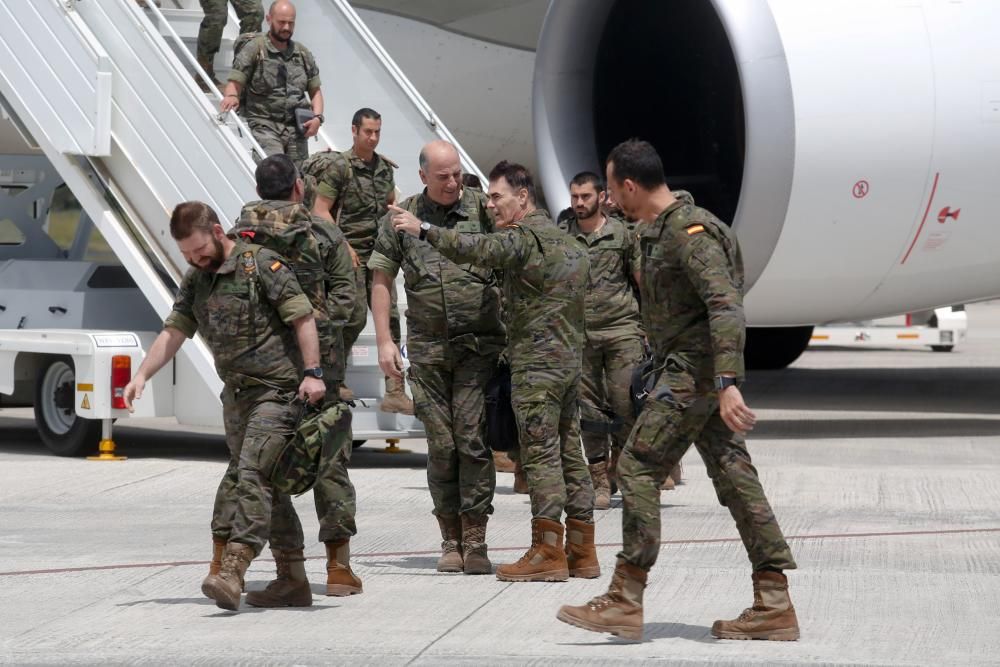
(105, 89)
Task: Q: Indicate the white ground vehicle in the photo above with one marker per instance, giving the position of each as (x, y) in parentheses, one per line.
(940, 329)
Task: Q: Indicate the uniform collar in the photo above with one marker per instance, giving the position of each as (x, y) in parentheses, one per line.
(458, 208)
(606, 230)
(229, 266)
(286, 53)
(374, 163)
(653, 229)
(537, 217)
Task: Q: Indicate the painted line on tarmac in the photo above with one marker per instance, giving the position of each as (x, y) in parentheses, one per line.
(395, 554)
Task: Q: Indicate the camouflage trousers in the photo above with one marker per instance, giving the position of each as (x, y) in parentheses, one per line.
(333, 495)
(545, 405)
(678, 412)
(277, 138)
(257, 420)
(359, 316)
(605, 385)
(449, 400)
(251, 13)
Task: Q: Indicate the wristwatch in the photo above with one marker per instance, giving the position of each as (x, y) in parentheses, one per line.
(322, 119)
(424, 228)
(723, 381)
(313, 372)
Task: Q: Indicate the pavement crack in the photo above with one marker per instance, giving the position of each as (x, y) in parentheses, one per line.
(142, 479)
(458, 623)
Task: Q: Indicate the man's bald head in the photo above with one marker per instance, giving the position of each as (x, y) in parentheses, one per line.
(281, 18)
(441, 172)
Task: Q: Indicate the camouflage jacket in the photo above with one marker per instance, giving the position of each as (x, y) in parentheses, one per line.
(447, 303)
(360, 193)
(243, 312)
(692, 290)
(276, 82)
(545, 278)
(612, 310)
(316, 252)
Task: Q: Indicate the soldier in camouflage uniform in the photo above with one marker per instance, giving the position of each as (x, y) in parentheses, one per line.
(320, 257)
(251, 14)
(259, 325)
(277, 75)
(454, 337)
(545, 277)
(614, 334)
(352, 190)
(692, 294)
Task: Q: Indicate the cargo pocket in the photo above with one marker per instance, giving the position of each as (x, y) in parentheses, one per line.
(654, 432)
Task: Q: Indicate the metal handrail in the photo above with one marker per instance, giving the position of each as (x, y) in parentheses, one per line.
(255, 147)
(409, 90)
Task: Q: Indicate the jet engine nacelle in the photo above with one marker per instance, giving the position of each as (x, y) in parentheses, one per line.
(854, 145)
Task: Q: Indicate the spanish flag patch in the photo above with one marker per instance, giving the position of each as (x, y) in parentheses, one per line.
(694, 229)
(275, 266)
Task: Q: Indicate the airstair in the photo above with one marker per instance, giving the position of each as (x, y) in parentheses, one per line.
(105, 88)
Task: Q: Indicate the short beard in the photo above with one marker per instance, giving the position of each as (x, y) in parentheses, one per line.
(590, 213)
(218, 258)
(276, 37)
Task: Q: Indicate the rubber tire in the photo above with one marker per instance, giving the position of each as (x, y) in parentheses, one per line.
(773, 348)
(942, 348)
(83, 435)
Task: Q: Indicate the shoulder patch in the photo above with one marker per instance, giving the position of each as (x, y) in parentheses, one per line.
(695, 229)
(249, 263)
(276, 265)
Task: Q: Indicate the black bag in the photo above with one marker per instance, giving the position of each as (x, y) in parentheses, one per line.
(501, 425)
(644, 378)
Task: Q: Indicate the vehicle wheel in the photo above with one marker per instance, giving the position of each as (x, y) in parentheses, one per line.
(771, 348)
(357, 443)
(942, 348)
(61, 430)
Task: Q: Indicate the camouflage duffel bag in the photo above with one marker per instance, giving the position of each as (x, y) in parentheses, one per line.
(321, 434)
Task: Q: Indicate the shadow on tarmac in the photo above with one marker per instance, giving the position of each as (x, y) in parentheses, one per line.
(653, 631)
(962, 390)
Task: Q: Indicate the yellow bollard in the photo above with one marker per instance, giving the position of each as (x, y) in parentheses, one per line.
(107, 452)
(393, 447)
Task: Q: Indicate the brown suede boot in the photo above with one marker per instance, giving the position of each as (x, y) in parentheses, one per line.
(345, 393)
(677, 473)
(619, 611)
(340, 579)
(544, 560)
(395, 399)
(772, 615)
(290, 588)
(502, 462)
(602, 489)
(520, 479)
(218, 547)
(451, 547)
(226, 588)
(581, 555)
(209, 68)
(474, 557)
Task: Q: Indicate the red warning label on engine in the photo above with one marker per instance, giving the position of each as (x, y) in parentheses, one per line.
(946, 213)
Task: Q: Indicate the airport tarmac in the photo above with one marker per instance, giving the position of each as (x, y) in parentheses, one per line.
(883, 467)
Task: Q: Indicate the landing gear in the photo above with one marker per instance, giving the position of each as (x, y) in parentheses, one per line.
(771, 348)
(61, 430)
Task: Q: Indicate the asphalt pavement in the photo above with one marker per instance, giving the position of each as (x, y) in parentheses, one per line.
(883, 467)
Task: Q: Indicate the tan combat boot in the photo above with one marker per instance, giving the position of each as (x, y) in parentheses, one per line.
(218, 547)
(545, 559)
(772, 615)
(677, 473)
(340, 579)
(619, 611)
(474, 558)
(581, 554)
(395, 399)
(451, 547)
(226, 588)
(209, 68)
(290, 588)
(520, 479)
(502, 462)
(602, 488)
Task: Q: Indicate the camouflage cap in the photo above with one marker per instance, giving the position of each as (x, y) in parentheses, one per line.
(295, 469)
